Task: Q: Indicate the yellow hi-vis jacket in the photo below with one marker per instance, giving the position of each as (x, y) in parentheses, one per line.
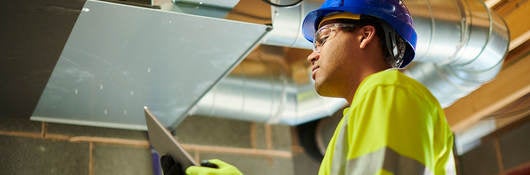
(393, 126)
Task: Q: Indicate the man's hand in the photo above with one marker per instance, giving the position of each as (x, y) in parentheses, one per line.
(223, 169)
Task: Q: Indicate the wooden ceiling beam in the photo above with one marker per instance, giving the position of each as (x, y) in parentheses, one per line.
(515, 13)
(511, 84)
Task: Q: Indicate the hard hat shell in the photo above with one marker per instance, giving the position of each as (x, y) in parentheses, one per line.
(393, 12)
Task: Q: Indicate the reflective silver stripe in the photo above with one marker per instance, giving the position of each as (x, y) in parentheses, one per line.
(368, 164)
(339, 156)
(450, 168)
(384, 158)
(387, 159)
(398, 164)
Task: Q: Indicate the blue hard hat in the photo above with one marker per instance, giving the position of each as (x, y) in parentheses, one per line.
(392, 12)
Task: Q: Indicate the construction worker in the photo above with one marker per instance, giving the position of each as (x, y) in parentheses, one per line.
(393, 124)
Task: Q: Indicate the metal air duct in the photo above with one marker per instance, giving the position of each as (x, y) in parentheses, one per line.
(457, 51)
(271, 96)
(461, 45)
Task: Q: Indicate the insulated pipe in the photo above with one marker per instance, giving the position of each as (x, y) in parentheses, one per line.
(461, 45)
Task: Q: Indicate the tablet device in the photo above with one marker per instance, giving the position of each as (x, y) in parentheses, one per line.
(164, 143)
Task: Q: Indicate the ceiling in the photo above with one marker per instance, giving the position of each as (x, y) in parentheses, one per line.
(34, 33)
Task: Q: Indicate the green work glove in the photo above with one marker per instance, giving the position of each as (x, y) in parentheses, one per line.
(223, 169)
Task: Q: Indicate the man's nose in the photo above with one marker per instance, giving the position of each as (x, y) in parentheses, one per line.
(313, 57)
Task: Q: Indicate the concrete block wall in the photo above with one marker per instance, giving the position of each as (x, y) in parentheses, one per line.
(31, 147)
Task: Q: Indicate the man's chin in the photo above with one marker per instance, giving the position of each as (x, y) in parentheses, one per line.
(322, 92)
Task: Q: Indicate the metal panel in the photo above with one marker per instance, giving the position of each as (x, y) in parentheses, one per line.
(119, 58)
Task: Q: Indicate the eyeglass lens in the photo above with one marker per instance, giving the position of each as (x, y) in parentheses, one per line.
(323, 34)
(321, 37)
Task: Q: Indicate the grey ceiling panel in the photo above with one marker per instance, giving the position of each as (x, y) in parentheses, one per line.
(119, 58)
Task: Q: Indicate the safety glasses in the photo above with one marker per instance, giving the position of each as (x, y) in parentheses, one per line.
(325, 32)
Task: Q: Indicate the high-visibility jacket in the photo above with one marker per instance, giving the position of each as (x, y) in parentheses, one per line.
(393, 126)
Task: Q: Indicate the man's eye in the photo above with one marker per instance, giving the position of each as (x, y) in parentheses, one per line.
(322, 39)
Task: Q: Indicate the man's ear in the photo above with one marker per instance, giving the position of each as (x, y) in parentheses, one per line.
(367, 34)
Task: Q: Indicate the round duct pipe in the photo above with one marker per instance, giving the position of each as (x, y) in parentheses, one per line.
(461, 45)
(269, 96)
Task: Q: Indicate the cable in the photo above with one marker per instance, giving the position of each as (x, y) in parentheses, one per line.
(282, 5)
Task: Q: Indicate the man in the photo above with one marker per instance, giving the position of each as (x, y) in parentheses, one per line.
(393, 124)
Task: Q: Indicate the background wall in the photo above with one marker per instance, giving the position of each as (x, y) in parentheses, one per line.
(29, 147)
(502, 152)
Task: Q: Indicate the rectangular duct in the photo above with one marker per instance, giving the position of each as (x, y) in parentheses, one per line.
(119, 58)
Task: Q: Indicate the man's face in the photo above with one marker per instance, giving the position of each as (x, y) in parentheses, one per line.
(331, 63)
